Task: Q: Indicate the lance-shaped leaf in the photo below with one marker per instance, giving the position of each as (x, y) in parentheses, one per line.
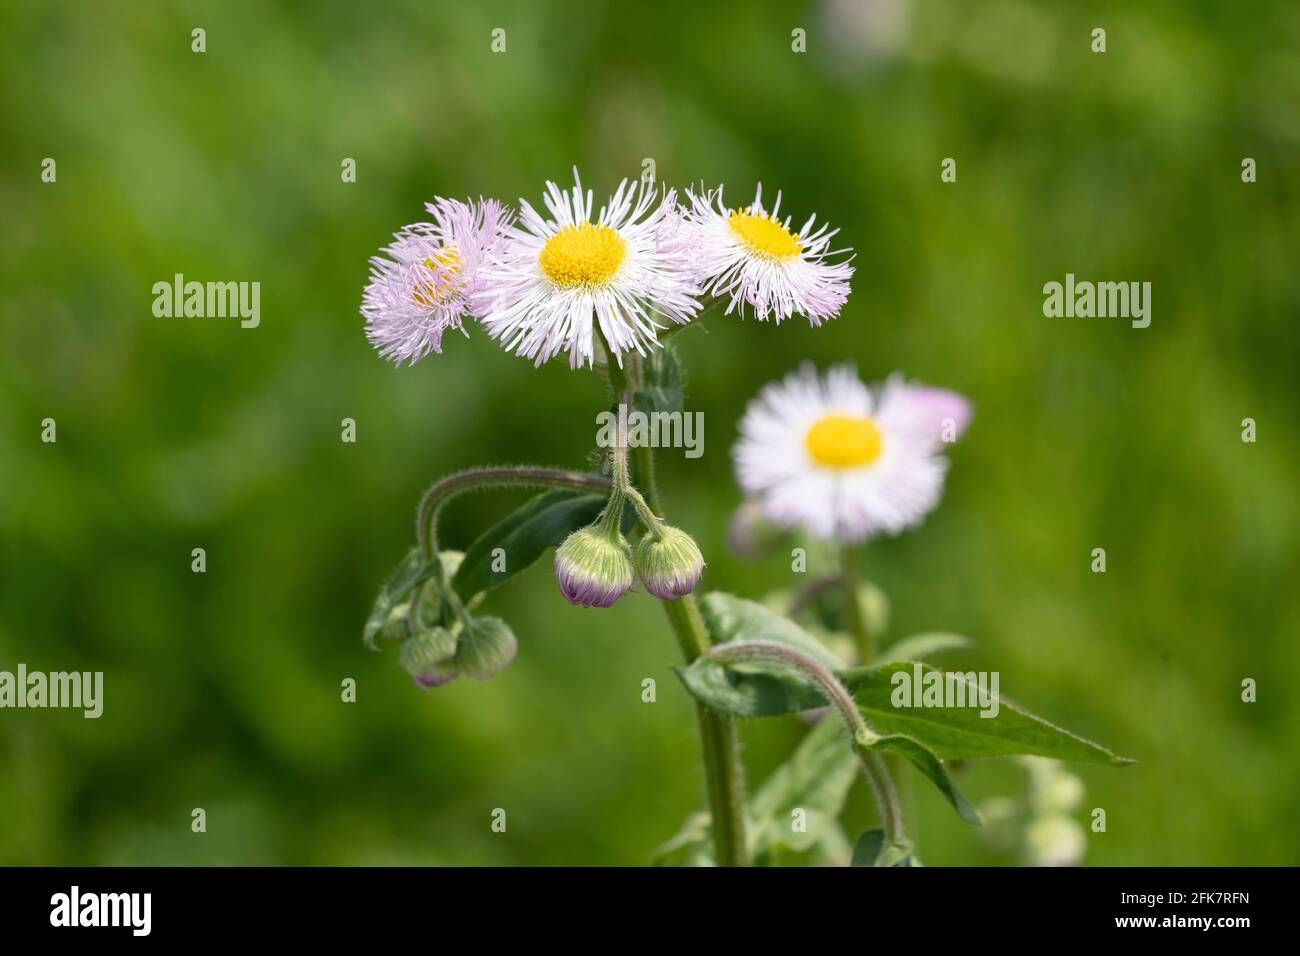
(885, 695)
(730, 618)
(749, 690)
(692, 845)
(924, 760)
(523, 536)
(766, 690)
(753, 690)
(816, 780)
(408, 575)
(920, 646)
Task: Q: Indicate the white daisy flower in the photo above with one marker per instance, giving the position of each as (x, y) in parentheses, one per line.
(557, 279)
(840, 460)
(751, 257)
(425, 280)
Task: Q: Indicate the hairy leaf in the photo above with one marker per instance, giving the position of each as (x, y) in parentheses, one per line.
(960, 731)
(405, 578)
(925, 760)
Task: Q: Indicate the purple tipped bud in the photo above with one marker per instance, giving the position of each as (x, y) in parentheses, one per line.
(669, 563)
(429, 657)
(486, 648)
(593, 569)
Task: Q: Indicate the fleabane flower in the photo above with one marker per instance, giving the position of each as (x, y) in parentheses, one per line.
(751, 258)
(426, 281)
(839, 460)
(556, 281)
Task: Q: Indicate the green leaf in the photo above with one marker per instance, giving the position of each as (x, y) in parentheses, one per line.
(872, 850)
(953, 732)
(729, 618)
(924, 760)
(950, 732)
(748, 690)
(753, 690)
(661, 383)
(410, 573)
(920, 646)
(525, 534)
(816, 779)
(692, 845)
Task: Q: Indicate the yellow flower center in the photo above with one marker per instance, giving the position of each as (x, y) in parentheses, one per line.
(844, 441)
(582, 256)
(444, 267)
(764, 235)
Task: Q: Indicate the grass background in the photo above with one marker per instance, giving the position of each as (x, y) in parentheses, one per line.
(222, 689)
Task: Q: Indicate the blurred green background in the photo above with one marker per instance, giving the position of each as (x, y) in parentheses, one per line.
(223, 689)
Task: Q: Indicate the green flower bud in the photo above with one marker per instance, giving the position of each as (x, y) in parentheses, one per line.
(594, 568)
(429, 657)
(669, 562)
(486, 648)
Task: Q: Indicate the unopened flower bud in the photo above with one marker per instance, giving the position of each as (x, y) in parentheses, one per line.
(593, 568)
(1055, 840)
(669, 562)
(429, 657)
(486, 648)
(749, 534)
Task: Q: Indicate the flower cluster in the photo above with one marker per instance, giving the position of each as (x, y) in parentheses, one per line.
(595, 566)
(545, 283)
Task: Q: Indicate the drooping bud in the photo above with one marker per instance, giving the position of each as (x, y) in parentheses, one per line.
(594, 567)
(429, 657)
(669, 562)
(486, 648)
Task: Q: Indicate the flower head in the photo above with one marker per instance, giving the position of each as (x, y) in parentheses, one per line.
(669, 562)
(427, 280)
(594, 566)
(838, 459)
(556, 281)
(751, 257)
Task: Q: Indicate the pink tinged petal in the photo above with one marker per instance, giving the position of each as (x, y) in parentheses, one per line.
(949, 411)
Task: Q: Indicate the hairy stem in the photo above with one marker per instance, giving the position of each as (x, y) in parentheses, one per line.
(504, 476)
(771, 652)
(719, 738)
(476, 479)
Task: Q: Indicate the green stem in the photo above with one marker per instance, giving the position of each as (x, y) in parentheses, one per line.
(862, 636)
(882, 785)
(719, 738)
